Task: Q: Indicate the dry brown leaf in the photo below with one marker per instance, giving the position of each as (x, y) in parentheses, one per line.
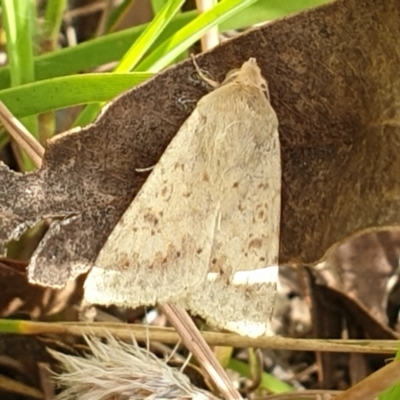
(20, 296)
(334, 310)
(19, 357)
(363, 267)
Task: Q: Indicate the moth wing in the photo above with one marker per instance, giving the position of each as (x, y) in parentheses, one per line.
(244, 307)
(161, 246)
(247, 232)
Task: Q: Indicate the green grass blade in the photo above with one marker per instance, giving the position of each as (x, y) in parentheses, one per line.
(91, 54)
(157, 5)
(149, 36)
(52, 94)
(262, 11)
(268, 382)
(19, 22)
(118, 13)
(136, 52)
(53, 19)
(180, 41)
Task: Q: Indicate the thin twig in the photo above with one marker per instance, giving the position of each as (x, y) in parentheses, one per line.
(193, 340)
(211, 38)
(21, 135)
(374, 384)
(170, 336)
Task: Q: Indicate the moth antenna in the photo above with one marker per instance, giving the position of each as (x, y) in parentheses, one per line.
(145, 169)
(202, 75)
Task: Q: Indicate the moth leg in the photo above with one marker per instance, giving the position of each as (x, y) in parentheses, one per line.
(183, 103)
(145, 169)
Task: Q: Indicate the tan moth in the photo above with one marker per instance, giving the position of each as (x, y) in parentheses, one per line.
(205, 224)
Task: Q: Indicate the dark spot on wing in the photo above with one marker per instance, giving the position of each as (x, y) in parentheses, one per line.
(164, 191)
(151, 218)
(257, 243)
(124, 262)
(179, 166)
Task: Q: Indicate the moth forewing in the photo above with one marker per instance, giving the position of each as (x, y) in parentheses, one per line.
(160, 249)
(247, 235)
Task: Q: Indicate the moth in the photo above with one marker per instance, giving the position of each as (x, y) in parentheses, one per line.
(204, 228)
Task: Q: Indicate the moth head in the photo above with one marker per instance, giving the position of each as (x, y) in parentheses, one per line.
(250, 75)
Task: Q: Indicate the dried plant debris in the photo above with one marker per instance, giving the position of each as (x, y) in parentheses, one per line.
(339, 135)
(365, 262)
(120, 371)
(19, 360)
(20, 296)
